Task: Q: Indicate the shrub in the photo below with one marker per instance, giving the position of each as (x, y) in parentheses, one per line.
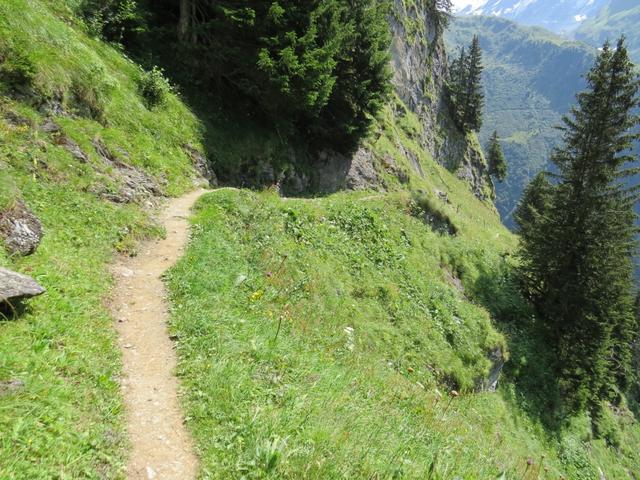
(16, 69)
(113, 20)
(575, 459)
(605, 426)
(154, 87)
(424, 207)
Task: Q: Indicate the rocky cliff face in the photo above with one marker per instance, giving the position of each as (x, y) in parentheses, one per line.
(419, 63)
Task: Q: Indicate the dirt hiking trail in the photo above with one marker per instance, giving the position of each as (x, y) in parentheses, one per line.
(161, 447)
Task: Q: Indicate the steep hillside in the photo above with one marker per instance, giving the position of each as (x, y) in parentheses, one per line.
(616, 17)
(419, 63)
(531, 77)
(351, 336)
(81, 149)
(375, 332)
(557, 16)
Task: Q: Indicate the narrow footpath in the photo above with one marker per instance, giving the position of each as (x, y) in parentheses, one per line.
(161, 447)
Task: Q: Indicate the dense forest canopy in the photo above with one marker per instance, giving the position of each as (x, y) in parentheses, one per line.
(318, 70)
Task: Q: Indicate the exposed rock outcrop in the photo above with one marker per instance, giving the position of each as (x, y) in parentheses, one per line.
(490, 383)
(16, 286)
(331, 172)
(201, 164)
(72, 147)
(20, 230)
(336, 172)
(135, 185)
(419, 64)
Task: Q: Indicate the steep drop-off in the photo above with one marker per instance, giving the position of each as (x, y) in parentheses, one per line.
(420, 69)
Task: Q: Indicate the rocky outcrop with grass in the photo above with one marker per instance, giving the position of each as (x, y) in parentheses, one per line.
(420, 71)
(20, 230)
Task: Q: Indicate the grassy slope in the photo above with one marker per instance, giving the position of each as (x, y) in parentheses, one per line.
(66, 421)
(321, 400)
(314, 336)
(530, 77)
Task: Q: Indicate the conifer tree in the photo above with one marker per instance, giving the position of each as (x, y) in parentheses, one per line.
(318, 69)
(497, 163)
(441, 11)
(577, 265)
(465, 88)
(456, 87)
(529, 216)
(474, 97)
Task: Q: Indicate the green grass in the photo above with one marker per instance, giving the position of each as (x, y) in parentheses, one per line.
(65, 419)
(315, 335)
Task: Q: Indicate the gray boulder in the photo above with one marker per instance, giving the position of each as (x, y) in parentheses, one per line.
(201, 164)
(73, 148)
(490, 383)
(16, 286)
(20, 229)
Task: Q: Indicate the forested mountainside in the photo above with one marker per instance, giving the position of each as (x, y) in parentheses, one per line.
(590, 21)
(531, 77)
(347, 306)
(614, 17)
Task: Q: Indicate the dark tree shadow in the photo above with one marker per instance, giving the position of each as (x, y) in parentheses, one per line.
(529, 378)
(12, 310)
(243, 146)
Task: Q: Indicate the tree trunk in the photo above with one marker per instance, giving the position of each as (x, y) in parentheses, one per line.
(185, 21)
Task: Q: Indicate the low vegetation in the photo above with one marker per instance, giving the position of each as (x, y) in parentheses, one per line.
(343, 337)
(60, 405)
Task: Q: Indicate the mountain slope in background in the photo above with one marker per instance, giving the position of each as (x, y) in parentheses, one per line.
(531, 77)
(558, 16)
(615, 18)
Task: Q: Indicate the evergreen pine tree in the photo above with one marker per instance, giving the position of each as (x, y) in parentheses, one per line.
(465, 88)
(361, 76)
(456, 86)
(530, 216)
(317, 69)
(473, 97)
(577, 264)
(497, 163)
(441, 11)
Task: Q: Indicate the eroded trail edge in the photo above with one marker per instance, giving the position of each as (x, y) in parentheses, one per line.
(161, 447)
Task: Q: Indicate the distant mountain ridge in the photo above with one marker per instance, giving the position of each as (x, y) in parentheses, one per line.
(531, 77)
(615, 18)
(560, 16)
